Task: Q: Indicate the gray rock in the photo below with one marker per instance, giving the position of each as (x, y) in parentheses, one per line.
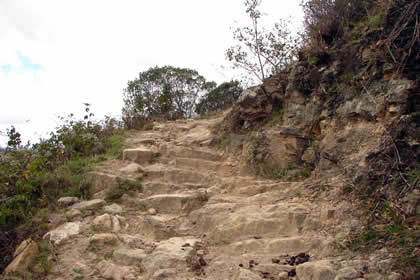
(151, 211)
(309, 156)
(132, 168)
(63, 232)
(347, 273)
(141, 155)
(109, 270)
(24, 255)
(398, 91)
(107, 222)
(113, 209)
(319, 270)
(245, 274)
(170, 253)
(89, 205)
(129, 256)
(164, 273)
(101, 240)
(67, 201)
(283, 276)
(73, 213)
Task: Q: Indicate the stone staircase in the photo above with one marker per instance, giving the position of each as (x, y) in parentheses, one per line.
(198, 215)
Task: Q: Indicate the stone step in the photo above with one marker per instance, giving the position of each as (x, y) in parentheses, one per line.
(220, 168)
(229, 222)
(174, 203)
(248, 186)
(292, 245)
(140, 155)
(188, 152)
(157, 227)
(171, 253)
(103, 182)
(165, 174)
(153, 188)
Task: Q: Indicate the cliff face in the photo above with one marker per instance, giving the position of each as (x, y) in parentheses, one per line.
(335, 125)
(347, 115)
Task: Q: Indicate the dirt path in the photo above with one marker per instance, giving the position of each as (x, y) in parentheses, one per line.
(198, 215)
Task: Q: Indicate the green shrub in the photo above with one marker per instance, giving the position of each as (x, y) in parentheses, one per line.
(33, 177)
(148, 126)
(114, 146)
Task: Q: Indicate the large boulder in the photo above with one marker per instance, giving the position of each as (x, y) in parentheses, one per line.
(171, 253)
(25, 254)
(63, 232)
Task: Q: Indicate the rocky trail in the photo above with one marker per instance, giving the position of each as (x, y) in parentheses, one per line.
(199, 214)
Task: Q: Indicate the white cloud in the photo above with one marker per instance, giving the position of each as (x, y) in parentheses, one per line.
(90, 49)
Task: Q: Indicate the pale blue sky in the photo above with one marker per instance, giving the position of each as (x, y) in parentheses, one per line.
(57, 54)
(26, 65)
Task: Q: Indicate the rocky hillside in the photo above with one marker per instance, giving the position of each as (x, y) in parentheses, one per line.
(175, 208)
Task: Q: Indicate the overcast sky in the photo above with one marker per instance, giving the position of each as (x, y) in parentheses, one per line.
(57, 54)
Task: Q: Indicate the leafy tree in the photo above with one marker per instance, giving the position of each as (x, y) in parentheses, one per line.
(219, 98)
(259, 51)
(164, 92)
(14, 138)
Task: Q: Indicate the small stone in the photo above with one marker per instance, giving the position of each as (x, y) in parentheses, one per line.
(116, 227)
(73, 213)
(113, 209)
(67, 201)
(152, 211)
(394, 108)
(103, 239)
(104, 221)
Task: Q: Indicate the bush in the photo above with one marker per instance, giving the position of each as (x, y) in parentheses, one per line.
(33, 177)
(219, 98)
(327, 18)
